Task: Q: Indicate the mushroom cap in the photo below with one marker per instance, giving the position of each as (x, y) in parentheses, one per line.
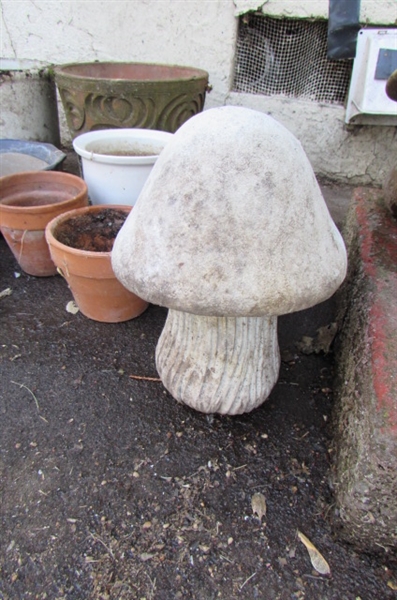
(231, 222)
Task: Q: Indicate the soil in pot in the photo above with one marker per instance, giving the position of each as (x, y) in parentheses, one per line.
(94, 232)
(80, 243)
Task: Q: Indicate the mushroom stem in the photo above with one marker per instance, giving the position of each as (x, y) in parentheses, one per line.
(225, 365)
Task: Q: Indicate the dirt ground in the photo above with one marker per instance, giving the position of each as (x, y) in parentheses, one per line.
(112, 490)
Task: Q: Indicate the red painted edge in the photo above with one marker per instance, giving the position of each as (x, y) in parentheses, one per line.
(378, 248)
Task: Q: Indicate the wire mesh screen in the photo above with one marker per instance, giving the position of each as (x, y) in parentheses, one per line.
(289, 57)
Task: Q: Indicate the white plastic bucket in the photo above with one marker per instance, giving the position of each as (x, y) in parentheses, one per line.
(117, 162)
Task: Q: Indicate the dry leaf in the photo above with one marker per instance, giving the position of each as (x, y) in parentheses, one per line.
(72, 308)
(258, 503)
(6, 292)
(392, 585)
(146, 556)
(318, 561)
(321, 342)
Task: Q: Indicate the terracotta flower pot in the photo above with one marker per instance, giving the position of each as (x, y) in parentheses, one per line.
(28, 201)
(106, 95)
(96, 290)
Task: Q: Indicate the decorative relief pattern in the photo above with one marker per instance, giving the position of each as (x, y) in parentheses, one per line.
(109, 107)
(89, 111)
(75, 114)
(178, 111)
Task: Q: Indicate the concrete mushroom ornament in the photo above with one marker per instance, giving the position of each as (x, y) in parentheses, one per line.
(229, 232)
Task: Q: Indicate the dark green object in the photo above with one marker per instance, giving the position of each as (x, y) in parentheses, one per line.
(106, 95)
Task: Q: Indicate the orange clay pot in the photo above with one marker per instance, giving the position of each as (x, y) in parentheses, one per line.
(96, 290)
(28, 201)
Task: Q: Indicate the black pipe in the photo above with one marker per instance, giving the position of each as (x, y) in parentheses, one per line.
(343, 26)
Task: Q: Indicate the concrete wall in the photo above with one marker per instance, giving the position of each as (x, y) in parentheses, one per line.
(201, 33)
(381, 12)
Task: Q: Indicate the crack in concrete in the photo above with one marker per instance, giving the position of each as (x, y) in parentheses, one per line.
(6, 29)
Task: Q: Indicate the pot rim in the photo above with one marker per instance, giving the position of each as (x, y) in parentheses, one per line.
(33, 177)
(36, 217)
(180, 72)
(50, 228)
(108, 135)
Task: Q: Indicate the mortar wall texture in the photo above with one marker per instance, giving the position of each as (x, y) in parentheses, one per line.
(201, 33)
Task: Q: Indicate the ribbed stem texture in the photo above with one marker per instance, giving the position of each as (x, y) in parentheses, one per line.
(225, 365)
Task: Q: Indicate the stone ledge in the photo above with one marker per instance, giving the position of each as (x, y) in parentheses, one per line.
(365, 416)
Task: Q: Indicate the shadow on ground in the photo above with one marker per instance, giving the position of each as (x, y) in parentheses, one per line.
(112, 490)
